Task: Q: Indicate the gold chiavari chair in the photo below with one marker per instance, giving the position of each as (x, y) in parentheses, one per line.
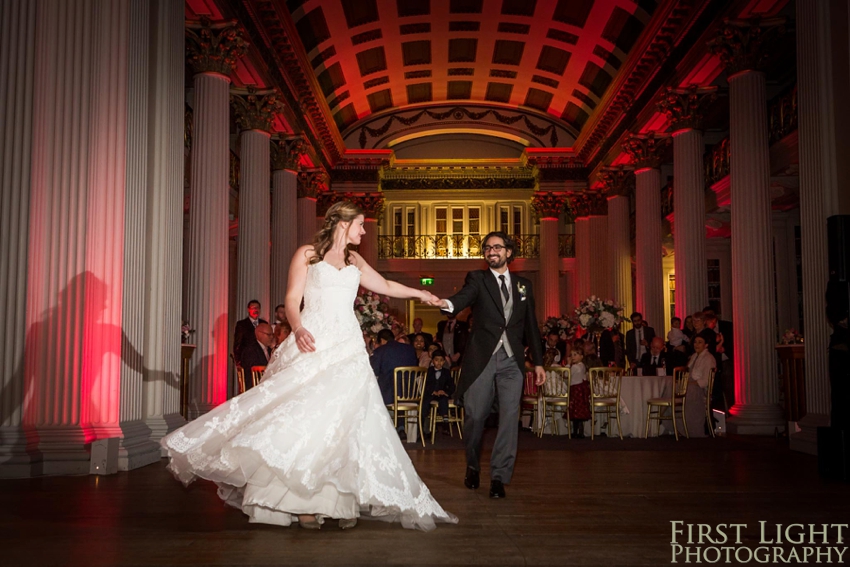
(655, 407)
(257, 374)
(605, 396)
(556, 397)
(408, 383)
(530, 401)
(240, 379)
(456, 415)
(708, 391)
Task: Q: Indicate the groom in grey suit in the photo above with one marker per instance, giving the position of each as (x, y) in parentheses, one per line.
(493, 365)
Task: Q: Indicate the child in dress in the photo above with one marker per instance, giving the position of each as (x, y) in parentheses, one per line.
(579, 392)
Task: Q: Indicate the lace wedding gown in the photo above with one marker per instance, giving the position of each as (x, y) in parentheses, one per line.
(314, 437)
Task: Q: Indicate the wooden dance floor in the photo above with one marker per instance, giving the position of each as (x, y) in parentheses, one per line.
(605, 502)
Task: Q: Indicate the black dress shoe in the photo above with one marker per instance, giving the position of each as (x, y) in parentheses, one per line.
(471, 481)
(497, 489)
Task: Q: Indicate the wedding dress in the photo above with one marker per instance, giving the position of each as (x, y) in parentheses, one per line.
(314, 437)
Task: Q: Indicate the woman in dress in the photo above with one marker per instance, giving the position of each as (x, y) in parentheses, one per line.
(313, 440)
(422, 353)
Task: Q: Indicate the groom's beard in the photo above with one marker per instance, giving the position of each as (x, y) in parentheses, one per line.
(497, 262)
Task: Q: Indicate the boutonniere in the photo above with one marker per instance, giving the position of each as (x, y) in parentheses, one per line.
(522, 292)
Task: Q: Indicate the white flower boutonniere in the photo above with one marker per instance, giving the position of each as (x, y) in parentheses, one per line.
(522, 291)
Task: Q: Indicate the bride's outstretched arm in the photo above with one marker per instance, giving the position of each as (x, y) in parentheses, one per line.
(294, 295)
(373, 281)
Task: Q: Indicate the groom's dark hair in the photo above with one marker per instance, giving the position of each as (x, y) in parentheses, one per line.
(509, 243)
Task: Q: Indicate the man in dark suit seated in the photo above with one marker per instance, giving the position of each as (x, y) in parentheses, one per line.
(656, 358)
(257, 352)
(244, 333)
(389, 355)
(417, 330)
(439, 387)
(638, 340)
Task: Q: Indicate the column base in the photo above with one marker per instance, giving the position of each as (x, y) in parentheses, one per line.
(806, 440)
(161, 426)
(19, 454)
(64, 450)
(136, 448)
(752, 419)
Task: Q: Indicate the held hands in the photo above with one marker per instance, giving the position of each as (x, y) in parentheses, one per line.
(430, 299)
(304, 340)
(539, 375)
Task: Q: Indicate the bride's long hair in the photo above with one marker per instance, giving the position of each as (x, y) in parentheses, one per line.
(343, 211)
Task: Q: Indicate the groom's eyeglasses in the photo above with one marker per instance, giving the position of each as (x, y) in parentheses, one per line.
(494, 248)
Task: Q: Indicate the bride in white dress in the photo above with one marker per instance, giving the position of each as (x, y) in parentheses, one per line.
(313, 440)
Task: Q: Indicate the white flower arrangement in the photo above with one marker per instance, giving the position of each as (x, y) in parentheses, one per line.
(564, 325)
(597, 314)
(372, 312)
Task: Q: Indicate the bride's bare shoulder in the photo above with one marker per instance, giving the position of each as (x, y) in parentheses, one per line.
(305, 253)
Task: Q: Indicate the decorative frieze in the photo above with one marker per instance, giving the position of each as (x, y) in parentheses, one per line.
(214, 47)
(685, 107)
(549, 205)
(646, 150)
(588, 203)
(742, 45)
(617, 181)
(286, 152)
(372, 204)
(311, 184)
(256, 109)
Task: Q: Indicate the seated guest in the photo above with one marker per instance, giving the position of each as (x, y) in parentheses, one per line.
(421, 351)
(257, 352)
(244, 333)
(699, 366)
(591, 360)
(651, 361)
(579, 392)
(552, 353)
(281, 331)
(611, 349)
(417, 330)
(390, 354)
(437, 346)
(439, 387)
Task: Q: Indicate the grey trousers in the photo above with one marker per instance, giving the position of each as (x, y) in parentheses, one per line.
(501, 377)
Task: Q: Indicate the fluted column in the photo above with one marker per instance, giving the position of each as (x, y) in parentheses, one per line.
(618, 184)
(756, 410)
(597, 227)
(310, 184)
(164, 262)
(549, 207)
(285, 155)
(372, 205)
(685, 109)
(647, 152)
(17, 54)
(582, 243)
(816, 100)
(255, 112)
(209, 209)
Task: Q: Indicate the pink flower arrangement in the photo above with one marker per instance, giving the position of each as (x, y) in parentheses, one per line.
(597, 314)
(372, 311)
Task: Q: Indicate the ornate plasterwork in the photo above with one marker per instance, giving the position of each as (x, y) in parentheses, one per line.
(256, 109)
(742, 45)
(646, 150)
(549, 205)
(447, 177)
(214, 47)
(286, 152)
(588, 203)
(617, 181)
(685, 108)
(311, 184)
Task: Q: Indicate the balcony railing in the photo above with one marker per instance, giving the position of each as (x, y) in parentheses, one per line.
(717, 160)
(782, 114)
(461, 246)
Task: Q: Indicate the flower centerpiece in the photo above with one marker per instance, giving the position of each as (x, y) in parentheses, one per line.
(186, 332)
(373, 312)
(564, 325)
(596, 315)
(790, 337)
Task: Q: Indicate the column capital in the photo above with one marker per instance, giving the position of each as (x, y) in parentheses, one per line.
(286, 152)
(685, 107)
(646, 150)
(371, 203)
(588, 203)
(325, 199)
(742, 44)
(214, 47)
(311, 184)
(256, 109)
(617, 181)
(549, 205)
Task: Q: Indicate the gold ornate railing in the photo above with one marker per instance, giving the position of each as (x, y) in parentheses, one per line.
(782, 115)
(452, 246)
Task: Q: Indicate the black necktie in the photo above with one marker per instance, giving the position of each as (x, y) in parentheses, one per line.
(654, 360)
(505, 293)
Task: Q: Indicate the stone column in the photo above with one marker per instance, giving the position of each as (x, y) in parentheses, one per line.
(618, 184)
(817, 95)
(213, 51)
(17, 55)
(372, 205)
(549, 207)
(582, 243)
(285, 155)
(255, 112)
(646, 152)
(597, 228)
(164, 262)
(756, 411)
(685, 108)
(310, 184)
